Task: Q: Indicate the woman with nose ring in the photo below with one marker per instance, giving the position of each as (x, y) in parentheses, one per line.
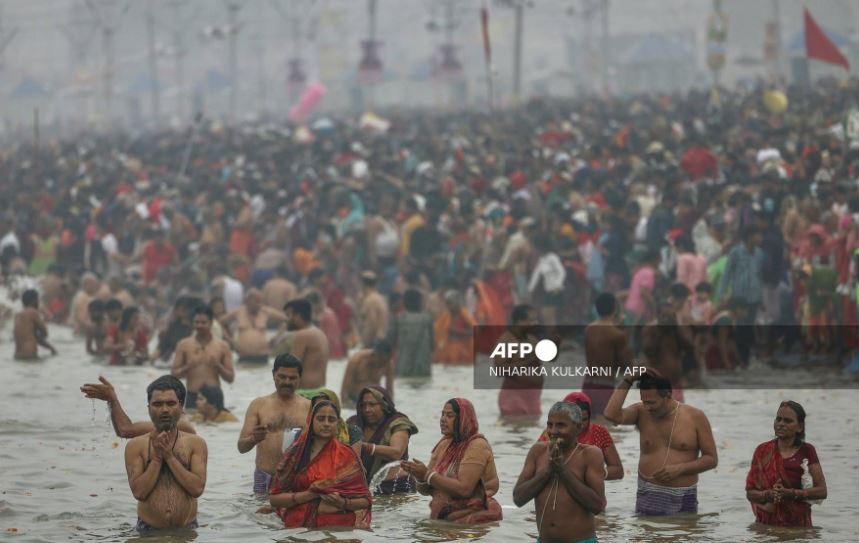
(774, 485)
(320, 482)
(461, 475)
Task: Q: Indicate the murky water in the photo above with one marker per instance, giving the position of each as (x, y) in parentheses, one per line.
(62, 475)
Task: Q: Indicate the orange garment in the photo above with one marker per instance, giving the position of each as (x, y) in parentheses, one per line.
(452, 346)
(241, 241)
(303, 261)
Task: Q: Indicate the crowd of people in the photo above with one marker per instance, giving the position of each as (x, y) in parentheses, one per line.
(699, 234)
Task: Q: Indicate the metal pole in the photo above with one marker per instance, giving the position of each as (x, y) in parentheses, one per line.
(153, 66)
(517, 52)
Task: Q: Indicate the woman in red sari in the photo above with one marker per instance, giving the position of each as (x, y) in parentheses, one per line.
(320, 482)
(461, 475)
(774, 483)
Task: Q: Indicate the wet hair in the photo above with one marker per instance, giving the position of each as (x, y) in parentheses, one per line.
(800, 417)
(567, 408)
(383, 348)
(455, 406)
(412, 300)
(112, 305)
(704, 286)
(214, 395)
(661, 385)
(287, 360)
(30, 298)
(678, 291)
(164, 383)
(583, 405)
(369, 281)
(204, 310)
(520, 313)
(300, 307)
(605, 304)
(127, 314)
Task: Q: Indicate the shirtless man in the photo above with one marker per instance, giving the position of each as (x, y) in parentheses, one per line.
(565, 478)
(605, 345)
(166, 467)
(278, 290)
(97, 332)
(252, 322)
(665, 343)
(373, 311)
(30, 331)
(90, 287)
(309, 343)
(676, 445)
(271, 421)
(122, 424)
(201, 359)
(365, 368)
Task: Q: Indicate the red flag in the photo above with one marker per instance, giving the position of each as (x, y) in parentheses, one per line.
(819, 46)
(484, 24)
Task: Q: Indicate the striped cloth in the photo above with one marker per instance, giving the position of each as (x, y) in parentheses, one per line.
(654, 500)
(262, 481)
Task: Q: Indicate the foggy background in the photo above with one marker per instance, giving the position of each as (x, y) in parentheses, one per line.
(55, 53)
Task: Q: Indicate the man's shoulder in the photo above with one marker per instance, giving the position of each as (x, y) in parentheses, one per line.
(192, 439)
(138, 442)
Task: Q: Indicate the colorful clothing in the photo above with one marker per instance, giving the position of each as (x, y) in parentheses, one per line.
(769, 467)
(466, 447)
(262, 481)
(653, 500)
(336, 468)
(454, 350)
(394, 422)
(348, 434)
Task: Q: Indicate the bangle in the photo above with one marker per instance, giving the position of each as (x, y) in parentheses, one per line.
(373, 452)
(429, 478)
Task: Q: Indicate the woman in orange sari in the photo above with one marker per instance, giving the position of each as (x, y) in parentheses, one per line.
(453, 331)
(461, 475)
(320, 482)
(774, 483)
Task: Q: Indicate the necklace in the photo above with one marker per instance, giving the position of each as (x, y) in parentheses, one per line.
(670, 437)
(554, 490)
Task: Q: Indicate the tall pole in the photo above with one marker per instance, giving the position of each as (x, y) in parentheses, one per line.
(517, 52)
(233, 10)
(153, 65)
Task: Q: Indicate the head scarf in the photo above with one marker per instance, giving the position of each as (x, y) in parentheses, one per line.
(465, 431)
(393, 421)
(575, 397)
(342, 427)
(297, 455)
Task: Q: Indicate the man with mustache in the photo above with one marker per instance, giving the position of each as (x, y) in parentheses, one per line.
(166, 467)
(202, 359)
(272, 422)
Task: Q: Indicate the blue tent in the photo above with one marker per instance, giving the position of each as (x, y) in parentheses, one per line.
(29, 88)
(796, 45)
(655, 48)
(213, 81)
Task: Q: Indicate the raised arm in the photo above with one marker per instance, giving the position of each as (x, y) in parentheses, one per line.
(141, 480)
(531, 481)
(616, 412)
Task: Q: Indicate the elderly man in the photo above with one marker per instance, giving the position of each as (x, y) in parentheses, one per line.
(166, 467)
(565, 478)
(676, 445)
(252, 323)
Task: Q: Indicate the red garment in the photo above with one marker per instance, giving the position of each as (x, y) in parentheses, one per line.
(330, 326)
(699, 163)
(768, 467)
(335, 469)
(156, 257)
(593, 434)
(141, 339)
(519, 402)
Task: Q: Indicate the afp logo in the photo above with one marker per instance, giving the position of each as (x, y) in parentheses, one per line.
(545, 350)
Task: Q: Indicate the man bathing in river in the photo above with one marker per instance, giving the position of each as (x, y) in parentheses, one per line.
(252, 322)
(271, 421)
(30, 331)
(676, 445)
(565, 478)
(309, 344)
(202, 359)
(166, 467)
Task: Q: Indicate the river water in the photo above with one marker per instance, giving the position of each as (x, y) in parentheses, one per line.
(62, 474)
